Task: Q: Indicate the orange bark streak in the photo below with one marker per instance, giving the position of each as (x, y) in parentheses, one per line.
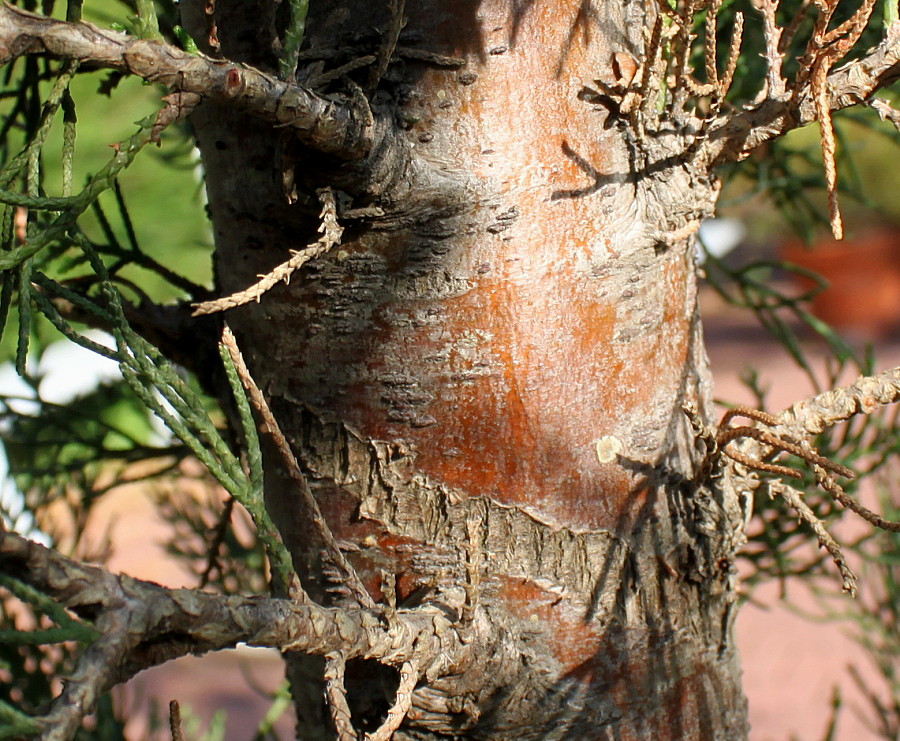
(521, 373)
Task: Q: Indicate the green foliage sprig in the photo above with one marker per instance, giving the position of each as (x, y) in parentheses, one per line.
(148, 23)
(157, 384)
(68, 628)
(292, 39)
(72, 207)
(15, 724)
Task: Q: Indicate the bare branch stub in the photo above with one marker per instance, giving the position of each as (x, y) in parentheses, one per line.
(885, 111)
(776, 86)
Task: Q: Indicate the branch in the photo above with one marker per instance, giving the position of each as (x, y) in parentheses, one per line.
(815, 415)
(794, 498)
(396, 714)
(343, 129)
(802, 420)
(336, 696)
(144, 624)
(885, 112)
(734, 137)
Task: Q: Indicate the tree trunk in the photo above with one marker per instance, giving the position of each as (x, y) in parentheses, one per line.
(484, 381)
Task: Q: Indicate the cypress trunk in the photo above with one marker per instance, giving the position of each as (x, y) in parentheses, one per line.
(484, 381)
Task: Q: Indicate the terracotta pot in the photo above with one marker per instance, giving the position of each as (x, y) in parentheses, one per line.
(863, 296)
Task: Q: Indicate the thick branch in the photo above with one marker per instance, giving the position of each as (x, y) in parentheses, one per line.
(734, 137)
(144, 624)
(203, 621)
(340, 128)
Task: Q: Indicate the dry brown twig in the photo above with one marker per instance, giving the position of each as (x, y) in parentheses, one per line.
(219, 533)
(824, 50)
(409, 676)
(725, 434)
(826, 481)
(819, 83)
(650, 73)
(710, 44)
(336, 696)
(331, 233)
(269, 425)
(325, 78)
(684, 85)
(794, 499)
(790, 30)
(388, 42)
(675, 70)
(772, 114)
(734, 51)
(175, 721)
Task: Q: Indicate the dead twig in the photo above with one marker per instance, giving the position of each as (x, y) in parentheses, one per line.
(795, 500)
(732, 138)
(388, 42)
(787, 433)
(734, 51)
(331, 233)
(219, 534)
(824, 50)
(270, 426)
(175, 721)
(336, 696)
(819, 85)
(409, 676)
